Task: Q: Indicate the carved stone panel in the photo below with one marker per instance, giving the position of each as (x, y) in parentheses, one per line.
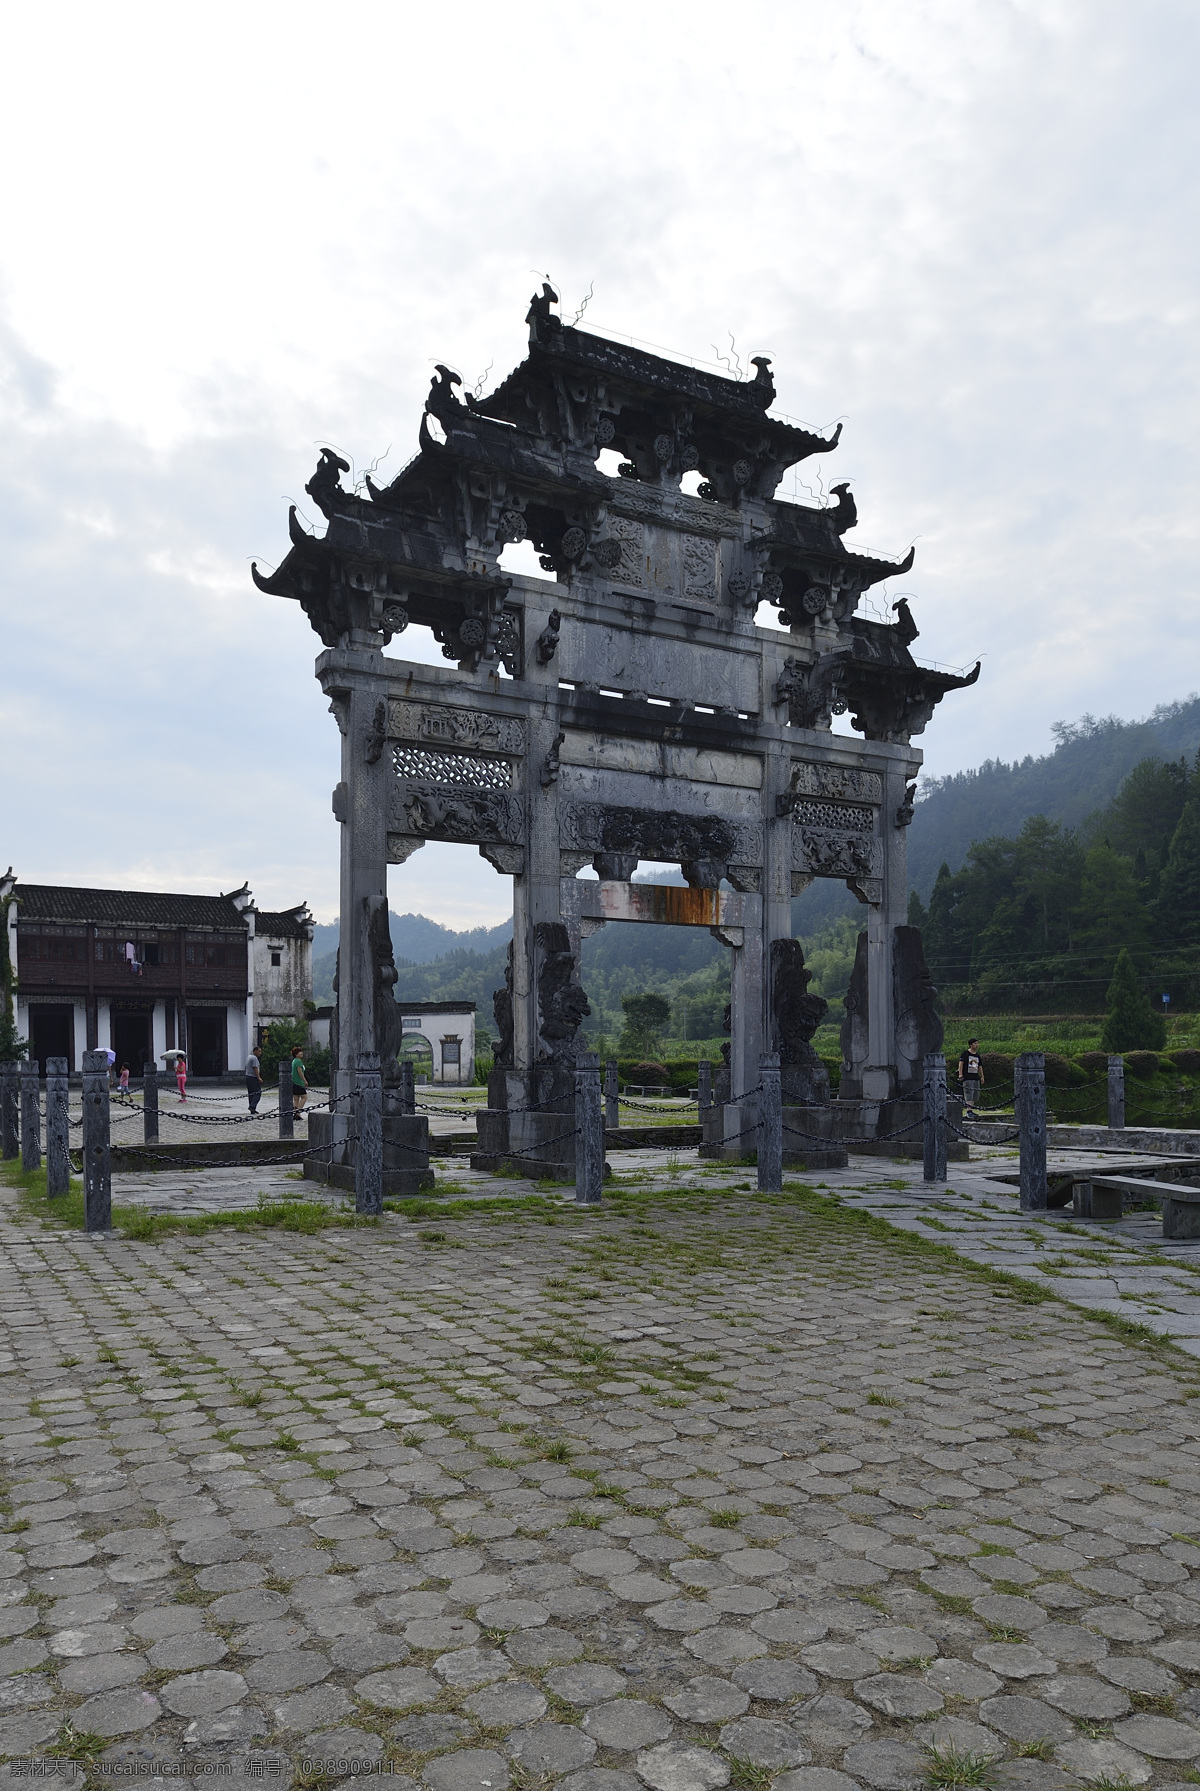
(699, 556)
(653, 834)
(456, 727)
(473, 816)
(823, 852)
(837, 781)
(631, 537)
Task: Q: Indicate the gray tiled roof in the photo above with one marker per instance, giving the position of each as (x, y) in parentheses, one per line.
(126, 907)
(293, 923)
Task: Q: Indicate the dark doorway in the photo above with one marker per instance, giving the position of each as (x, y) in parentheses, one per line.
(206, 1041)
(131, 1041)
(52, 1034)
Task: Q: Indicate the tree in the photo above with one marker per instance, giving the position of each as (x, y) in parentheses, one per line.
(1132, 1024)
(645, 1017)
(918, 914)
(1111, 913)
(1179, 891)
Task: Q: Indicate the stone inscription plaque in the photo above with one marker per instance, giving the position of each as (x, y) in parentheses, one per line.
(455, 727)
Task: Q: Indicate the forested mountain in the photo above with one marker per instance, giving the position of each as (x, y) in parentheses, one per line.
(1047, 867)
(415, 940)
(1035, 923)
(1081, 775)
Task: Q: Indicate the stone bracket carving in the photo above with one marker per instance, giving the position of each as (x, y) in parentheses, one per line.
(376, 738)
(340, 802)
(400, 847)
(550, 767)
(867, 889)
(907, 809)
(571, 863)
(735, 937)
(508, 860)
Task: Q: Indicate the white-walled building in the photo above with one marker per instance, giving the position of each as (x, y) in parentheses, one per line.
(141, 973)
(448, 1029)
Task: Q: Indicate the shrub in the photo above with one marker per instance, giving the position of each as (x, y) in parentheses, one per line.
(1063, 1072)
(997, 1067)
(1187, 1061)
(648, 1073)
(1094, 1062)
(1141, 1063)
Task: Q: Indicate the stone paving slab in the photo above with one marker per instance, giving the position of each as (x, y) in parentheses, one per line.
(702, 1488)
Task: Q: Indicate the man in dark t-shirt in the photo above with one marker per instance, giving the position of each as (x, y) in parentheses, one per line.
(970, 1075)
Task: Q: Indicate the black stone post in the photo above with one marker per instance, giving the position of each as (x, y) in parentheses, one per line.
(97, 1154)
(589, 1141)
(935, 1117)
(31, 1117)
(408, 1089)
(612, 1101)
(770, 1124)
(287, 1127)
(368, 1147)
(1116, 1094)
(149, 1103)
(704, 1084)
(9, 1101)
(1030, 1079)
(58, 1136)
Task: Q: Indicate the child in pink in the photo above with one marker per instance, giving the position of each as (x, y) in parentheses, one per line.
(181, 1077)
(123, 1084)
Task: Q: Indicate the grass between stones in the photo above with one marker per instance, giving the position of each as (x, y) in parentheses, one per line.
(66, 1210)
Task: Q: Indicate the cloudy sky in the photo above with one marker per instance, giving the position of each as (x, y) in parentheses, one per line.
(966, 227)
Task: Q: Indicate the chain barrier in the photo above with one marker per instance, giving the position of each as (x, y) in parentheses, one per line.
(320, 1150)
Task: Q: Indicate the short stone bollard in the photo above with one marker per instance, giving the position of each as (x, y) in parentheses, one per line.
(368, 1143)
(287, 1125)
(589, 1138)
(612, 1097)
(1116, 1094)
(97, 1151)
(9, 1105)
(31, 1117)
(704, 1084)
(934, 1132)
(149, 1104)
(408, 1089)
(1029, 1078)
(58, 1128)
(770, 1124)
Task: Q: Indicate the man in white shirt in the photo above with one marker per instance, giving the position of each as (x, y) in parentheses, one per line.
(254, 1082)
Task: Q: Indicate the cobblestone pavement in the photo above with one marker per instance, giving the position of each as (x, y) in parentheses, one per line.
(703, 1488)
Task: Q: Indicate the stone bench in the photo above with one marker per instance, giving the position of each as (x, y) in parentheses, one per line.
(1103, 1197)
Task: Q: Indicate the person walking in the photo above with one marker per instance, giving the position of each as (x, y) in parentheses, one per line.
(970, 1076)
(299, 1082)
(254, 1081)
(123, 1082)
(181, 1076)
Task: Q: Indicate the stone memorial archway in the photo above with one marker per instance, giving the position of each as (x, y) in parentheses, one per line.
(644, 715)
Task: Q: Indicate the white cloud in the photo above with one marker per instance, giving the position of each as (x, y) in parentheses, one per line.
(963, 227)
